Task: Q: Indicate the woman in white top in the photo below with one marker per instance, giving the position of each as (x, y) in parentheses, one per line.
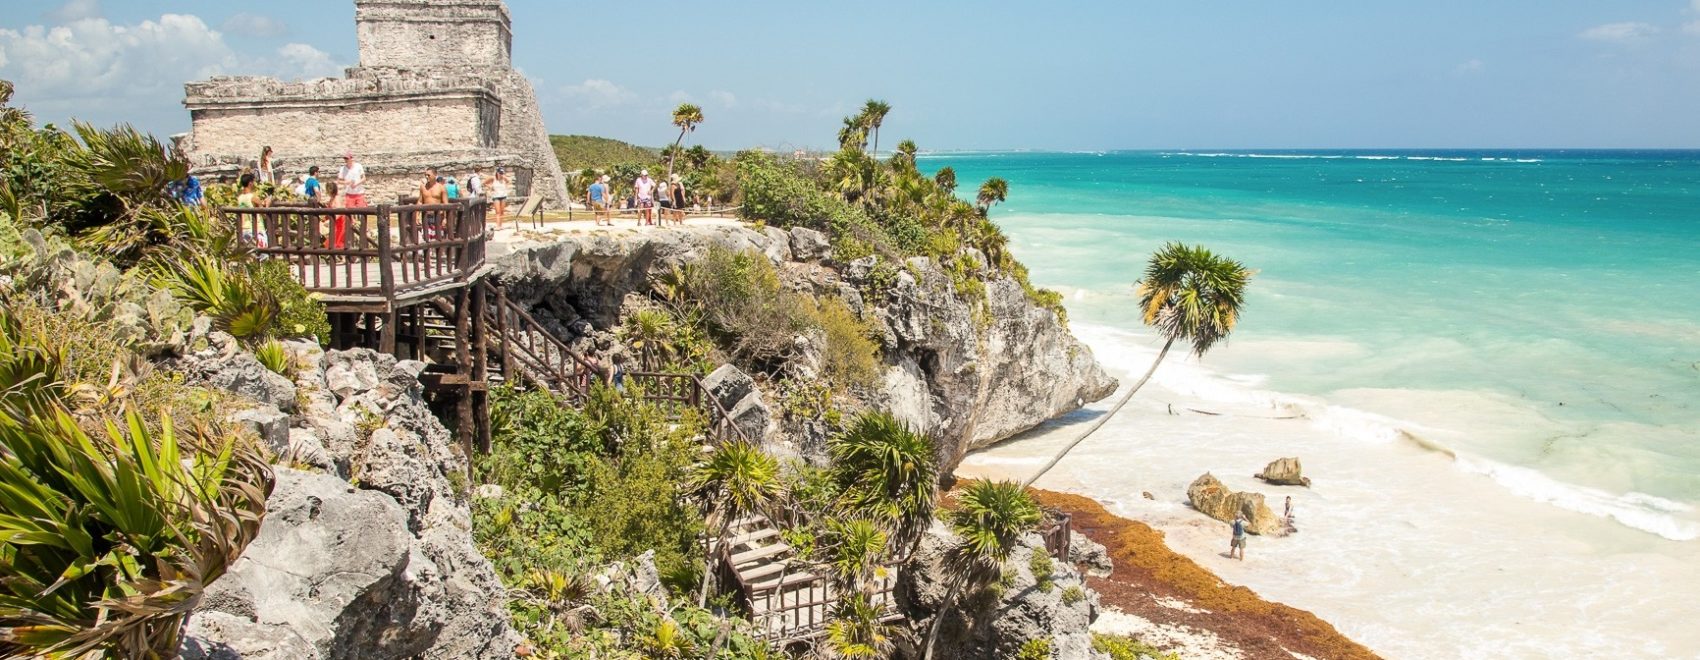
(499, 195)
(265, 168)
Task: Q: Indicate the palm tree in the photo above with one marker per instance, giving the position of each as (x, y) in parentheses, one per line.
(686, 117)
(904, 159)
(990, 517)
(856, 631)
(853, 134)
(853, 549)
(873, 115)
(1186, 293)
(993, 191)
(738, 478)
(888, 472)
(946, 178)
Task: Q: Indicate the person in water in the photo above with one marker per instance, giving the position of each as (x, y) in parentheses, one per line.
(1287, 513)
(1238, 544)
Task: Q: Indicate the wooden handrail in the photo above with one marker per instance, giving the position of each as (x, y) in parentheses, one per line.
(409, 246)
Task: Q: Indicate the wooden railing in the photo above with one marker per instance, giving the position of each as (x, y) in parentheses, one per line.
(376, 251)
(799, 603)
(1057, 532)
(532, 353)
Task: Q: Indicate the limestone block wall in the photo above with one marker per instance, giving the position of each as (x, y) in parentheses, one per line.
(415, 34)
(239, 116)
(523, 133)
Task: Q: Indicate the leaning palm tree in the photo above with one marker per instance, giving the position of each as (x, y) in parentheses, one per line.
(873, 115)
(738, 478)
(993, 191)
(853, 134)
(990, 517)
(1186, 293)
(686, 117)
(888, 472)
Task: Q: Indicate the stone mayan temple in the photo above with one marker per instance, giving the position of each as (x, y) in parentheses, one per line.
(435, 87)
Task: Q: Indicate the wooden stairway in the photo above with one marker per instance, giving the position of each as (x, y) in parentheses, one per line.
(788, 599)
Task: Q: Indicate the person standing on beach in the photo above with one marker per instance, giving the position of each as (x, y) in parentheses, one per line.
(351, 179)
(598, 196)
(1287, 514)
(1238, 544)
(645, 189)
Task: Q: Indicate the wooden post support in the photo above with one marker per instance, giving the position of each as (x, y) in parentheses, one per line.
(502, 332)
(386, 278)
(480, 368)
(463, 368)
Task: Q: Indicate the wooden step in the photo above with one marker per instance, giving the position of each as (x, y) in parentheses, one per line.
(791, 580)
(751, 537)
(759, 553)
(766, 570)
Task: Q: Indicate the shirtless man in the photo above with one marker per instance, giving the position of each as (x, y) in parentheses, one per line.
(431, 190)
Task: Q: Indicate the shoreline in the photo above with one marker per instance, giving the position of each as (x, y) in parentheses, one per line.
(1152, 582)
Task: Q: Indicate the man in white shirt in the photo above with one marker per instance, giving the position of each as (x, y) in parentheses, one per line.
(351, 179)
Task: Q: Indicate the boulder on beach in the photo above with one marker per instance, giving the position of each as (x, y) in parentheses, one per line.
(1285, 472)
(1208, 495)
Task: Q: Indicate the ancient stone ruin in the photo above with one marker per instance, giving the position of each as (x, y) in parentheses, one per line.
(435, 87)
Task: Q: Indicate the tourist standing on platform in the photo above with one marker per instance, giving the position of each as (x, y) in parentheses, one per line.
(310, 187)
(499, 195)
(431, 190)
(645, 189)
(339, 225)
(351, 179)
(475, 183)
(599, 197)
(676, 193)
(451, 189)
(264, 168)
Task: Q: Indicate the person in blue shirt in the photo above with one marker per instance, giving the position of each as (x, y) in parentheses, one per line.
(452, 189)
(598, 195)
(311, 188)
(1238, 544)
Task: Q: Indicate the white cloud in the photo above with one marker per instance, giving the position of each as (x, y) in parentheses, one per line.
(681, 96)
(75, 10)
(255, 25)
(91, 57)
(1470, 67)
(724, 98)
(302, 60)
(598, 93)
(1619, 32)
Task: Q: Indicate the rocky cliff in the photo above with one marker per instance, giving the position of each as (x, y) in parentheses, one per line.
(968, 376)
(367, 549)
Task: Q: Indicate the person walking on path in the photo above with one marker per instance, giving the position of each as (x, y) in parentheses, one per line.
(645, 189)
(264, 168)
(598, 197)
(676, 191)
(475, 183)
(1238, 544)
(351, 180)
(337, 240)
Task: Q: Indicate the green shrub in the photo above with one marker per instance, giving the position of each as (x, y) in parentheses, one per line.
(850, 356)
(1122, 647)
(1073, 594)
(273, 356)
(1034, 649)
(1043, 568)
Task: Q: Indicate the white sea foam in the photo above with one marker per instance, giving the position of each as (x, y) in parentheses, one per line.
(1125, 351)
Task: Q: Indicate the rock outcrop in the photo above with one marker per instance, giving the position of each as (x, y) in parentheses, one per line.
(968, 377)
(995, 622)
(367, 551)
(1209, 496)
(1285, 472)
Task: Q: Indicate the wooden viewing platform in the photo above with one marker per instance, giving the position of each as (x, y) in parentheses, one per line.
(411, 280)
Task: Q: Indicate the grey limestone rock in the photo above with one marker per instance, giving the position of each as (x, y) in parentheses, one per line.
(1285, 472)
(809, 245)
(995, 622)
(1090, 554)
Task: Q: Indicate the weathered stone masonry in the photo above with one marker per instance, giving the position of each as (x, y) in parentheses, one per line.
(435, 88)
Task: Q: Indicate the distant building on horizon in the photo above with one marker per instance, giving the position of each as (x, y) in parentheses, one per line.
(435, 87)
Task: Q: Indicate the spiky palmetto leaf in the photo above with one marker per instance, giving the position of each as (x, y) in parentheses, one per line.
(856, 630)
(204, 283)
(889, 473)
(853, 549)
(990, 516)
(1190, 294)
(108, 540)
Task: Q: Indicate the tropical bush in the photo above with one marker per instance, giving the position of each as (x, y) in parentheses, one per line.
(1034, 649)
(1122, 647)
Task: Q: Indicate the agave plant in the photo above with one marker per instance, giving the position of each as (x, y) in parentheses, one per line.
(108, 540)
(273, 356)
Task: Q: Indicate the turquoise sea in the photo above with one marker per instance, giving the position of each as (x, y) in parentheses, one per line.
(1520, 328)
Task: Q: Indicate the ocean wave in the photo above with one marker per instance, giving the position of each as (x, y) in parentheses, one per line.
(1123, 350)
(1452, 159)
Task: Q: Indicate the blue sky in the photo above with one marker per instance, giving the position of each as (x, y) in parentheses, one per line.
(962, 75)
